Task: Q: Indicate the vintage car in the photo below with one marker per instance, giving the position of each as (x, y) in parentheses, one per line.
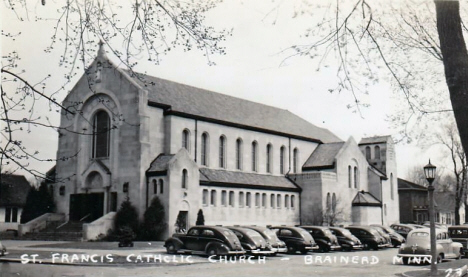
(427, 224)
(370, 238)
(296, 239)
(209, 240)
(323, 237)
(402, 229)
(418, 247)
(459, 233)
(278, 246)
(396, 238)
(252, 241)
(3, 250)
(388, 239)
(347, 240)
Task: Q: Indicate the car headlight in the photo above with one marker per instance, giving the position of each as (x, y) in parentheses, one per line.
(352, 243)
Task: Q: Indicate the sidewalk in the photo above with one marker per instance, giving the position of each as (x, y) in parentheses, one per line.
(94, 254)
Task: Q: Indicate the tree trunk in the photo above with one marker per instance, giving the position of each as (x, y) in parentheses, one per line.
(455, 58)
(457, 213)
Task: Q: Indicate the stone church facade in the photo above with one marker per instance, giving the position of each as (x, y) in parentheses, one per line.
(240, 162)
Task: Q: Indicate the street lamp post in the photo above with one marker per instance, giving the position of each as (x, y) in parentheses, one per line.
(429, 171)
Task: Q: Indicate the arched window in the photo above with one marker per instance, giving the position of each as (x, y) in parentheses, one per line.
(268, 158)
(213, 198)
(241, 199)
(239, 154)
(282, 160)
(278, 201)
(231, 198)
(204, 149)
(295, 159)
(391, 185)
(272, 201)
(254, 156)
(333, 206)
(350, 177)
(186, 139)
(155, 187)
(101, 135)
(368, 153)
(161, 186)
(248, 200)
(293, 198)
(356, 177)
(328, 202)
(205, 197)
(222, 151)
(184, 178)
(286, 201)
(223, 198)
(264, 199)
(257, 199)
(385, 209)
(377, 152)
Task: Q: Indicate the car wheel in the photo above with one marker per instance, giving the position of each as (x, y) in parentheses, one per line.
(439, 258)
(274, 254)
(375, 247)
(171, 248)
(212, 251)
(304, 251)
(461, 254)
(291, 249)
(131, 244)
(120, 244)
(405, 261)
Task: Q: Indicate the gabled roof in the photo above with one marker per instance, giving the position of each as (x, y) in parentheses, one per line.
(224, 178)
(323, 156)
(185, 100)
(407, 185)
(14, 190)
(364, 198)
(372, 140)
(160, 163)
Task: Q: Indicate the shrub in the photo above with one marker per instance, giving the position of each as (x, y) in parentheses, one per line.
(154, 221)
(126, 216)
(200, 218)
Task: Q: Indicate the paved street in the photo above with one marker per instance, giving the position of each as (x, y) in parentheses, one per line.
(148, 259)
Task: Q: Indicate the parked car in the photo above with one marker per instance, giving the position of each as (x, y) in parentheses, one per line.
(388, 239)
(347, 240)
(278, 246)
(3, 250)
(252, 241)
(402, 229)
(459, 233)
(324, 238)
(418, 246)
(296, 239)
(417, 226)
(427, 224)
(209, 240)
(396, 238)
(370, 238)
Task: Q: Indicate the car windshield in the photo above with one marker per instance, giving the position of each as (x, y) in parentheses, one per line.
(269, 234)
(228, 233)
(346, 233)
(253, 234)
(327, 232)
(374, 232)
(389, 230)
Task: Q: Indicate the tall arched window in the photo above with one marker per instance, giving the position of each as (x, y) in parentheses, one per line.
(333, 205)
(286, 201)
(356, 177)
(186, 139)
(391, 185)
(368, 153)
(161, 186)
(184, 178)
(204, 149)
(254, 156)
(377, 152)
(278, 201)
(241, 199)
(248, 200)
(282, 159)
(328, 203)
(101, 135)
(295, 159)
(222, 151)
(272, 201)
(293, 198)
(239, 154)
(213, 198)
(155, 187)
(350, 177)
(268, 158)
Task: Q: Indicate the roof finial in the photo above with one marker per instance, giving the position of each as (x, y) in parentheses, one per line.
(101, 51)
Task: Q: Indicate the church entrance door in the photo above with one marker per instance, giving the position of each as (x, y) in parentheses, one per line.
(89, 206)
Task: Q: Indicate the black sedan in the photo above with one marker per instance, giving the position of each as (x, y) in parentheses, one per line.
(296, 239)
(370, 238)
(252, 241)
(347, 240)
(396, 238)
(323, 237)
(278, 246)
(209, 240)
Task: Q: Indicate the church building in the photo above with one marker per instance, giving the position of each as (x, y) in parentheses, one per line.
(238, 161)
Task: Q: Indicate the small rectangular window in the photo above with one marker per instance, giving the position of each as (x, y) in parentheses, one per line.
(205, 197)
(223, 198)
(248, 200)
(231, 198)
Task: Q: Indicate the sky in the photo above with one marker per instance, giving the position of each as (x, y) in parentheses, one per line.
(254, 68)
